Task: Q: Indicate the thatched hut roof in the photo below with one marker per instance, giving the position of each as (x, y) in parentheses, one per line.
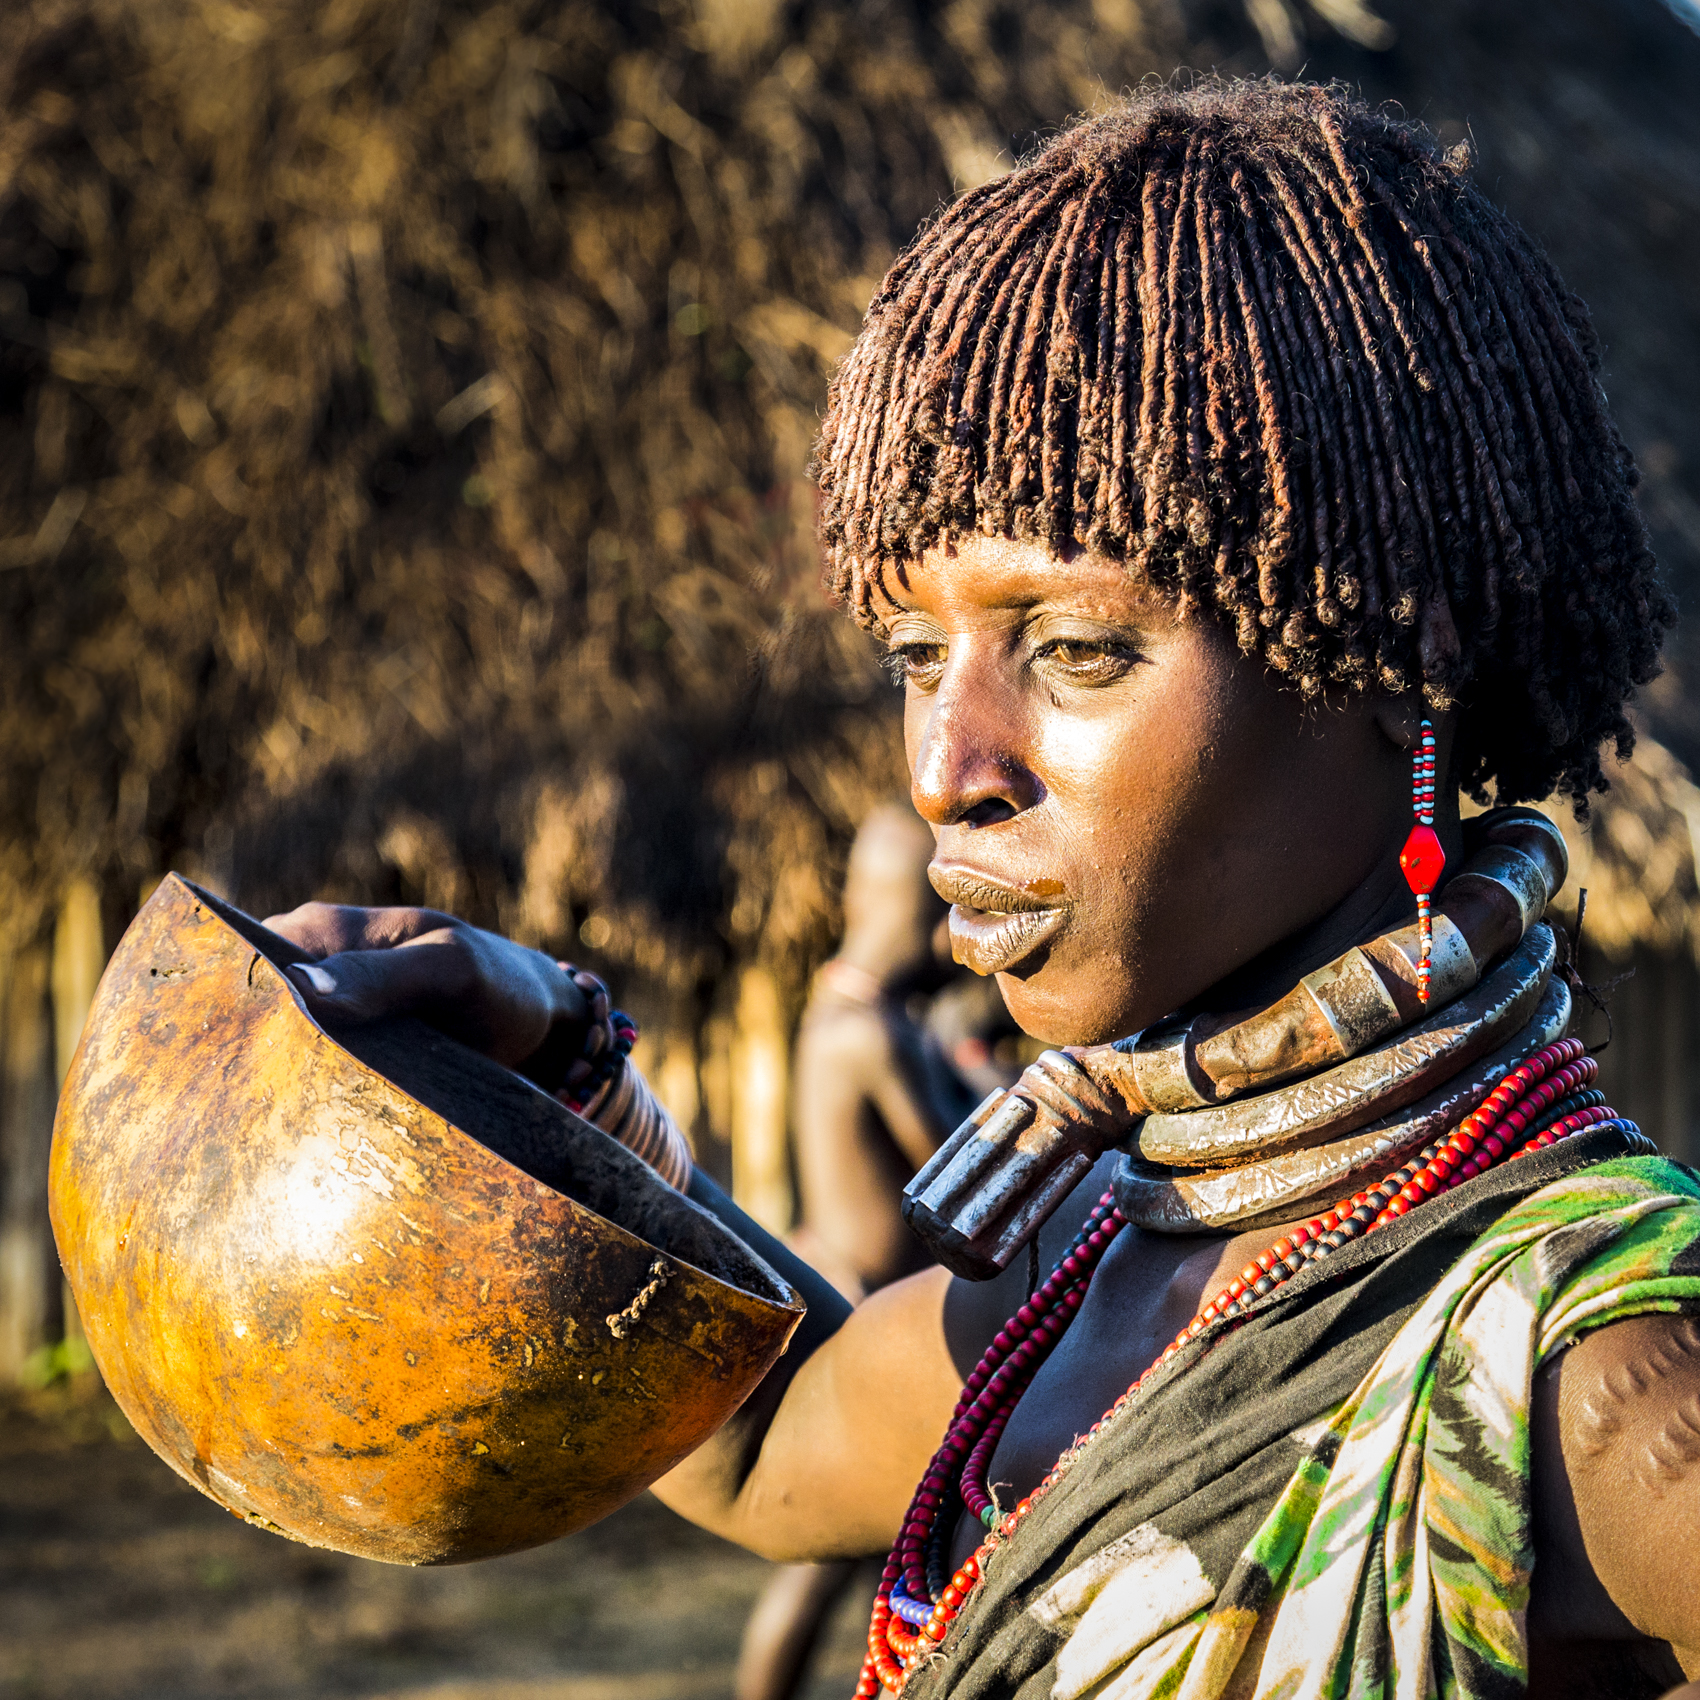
(406, 411)
(403, 408)
(1638, 856)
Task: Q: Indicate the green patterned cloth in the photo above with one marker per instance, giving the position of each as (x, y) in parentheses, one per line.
(1372, 1542)
(1401, 1548)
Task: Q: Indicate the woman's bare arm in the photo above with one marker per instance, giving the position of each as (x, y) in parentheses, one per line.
(820, 1463)
(822, 1459)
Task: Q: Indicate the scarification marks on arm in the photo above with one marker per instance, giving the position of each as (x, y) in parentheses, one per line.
(1675, 1449)
(1620, 1392)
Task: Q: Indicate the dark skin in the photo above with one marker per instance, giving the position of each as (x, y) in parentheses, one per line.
(1190, 834)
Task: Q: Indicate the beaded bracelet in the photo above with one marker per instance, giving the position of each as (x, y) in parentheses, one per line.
(607, 1043)
(608, 1062)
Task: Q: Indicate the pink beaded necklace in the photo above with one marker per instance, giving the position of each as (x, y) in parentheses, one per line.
(1548, 1098)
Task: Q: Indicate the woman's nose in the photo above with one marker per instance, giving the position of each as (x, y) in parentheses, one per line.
(968, 761)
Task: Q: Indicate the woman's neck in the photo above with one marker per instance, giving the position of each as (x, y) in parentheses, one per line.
(1379, 903)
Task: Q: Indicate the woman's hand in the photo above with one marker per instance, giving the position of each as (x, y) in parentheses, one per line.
(516, 1005)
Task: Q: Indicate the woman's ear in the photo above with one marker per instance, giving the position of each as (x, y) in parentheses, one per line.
(1400, 719)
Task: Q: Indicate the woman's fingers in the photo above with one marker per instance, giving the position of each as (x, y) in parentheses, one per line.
(326, 929)
(364, 984)
(499, 997)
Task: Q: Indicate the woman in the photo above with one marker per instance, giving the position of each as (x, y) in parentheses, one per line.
(1200, 476)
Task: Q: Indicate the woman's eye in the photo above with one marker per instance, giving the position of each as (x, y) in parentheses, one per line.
(1087, 660)
(918, 664)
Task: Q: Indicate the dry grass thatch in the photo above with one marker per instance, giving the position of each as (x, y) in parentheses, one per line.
(1637, 855)
(405, 413)
(403, 407)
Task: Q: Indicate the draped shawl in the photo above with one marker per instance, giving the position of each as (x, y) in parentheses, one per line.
(1331, 1498)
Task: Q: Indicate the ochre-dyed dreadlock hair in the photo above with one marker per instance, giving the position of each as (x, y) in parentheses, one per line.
(1275, 351)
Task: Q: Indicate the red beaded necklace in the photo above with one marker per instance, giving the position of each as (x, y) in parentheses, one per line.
(1547, 1099)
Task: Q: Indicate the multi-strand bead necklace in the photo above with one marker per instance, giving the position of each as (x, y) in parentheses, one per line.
(1548, 1098)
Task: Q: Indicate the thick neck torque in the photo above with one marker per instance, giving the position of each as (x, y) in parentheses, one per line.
(1372, 1026)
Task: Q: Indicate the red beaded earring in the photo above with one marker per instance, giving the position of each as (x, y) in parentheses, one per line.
(1422, 858)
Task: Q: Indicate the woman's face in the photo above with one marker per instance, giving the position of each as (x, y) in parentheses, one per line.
(1126, 809)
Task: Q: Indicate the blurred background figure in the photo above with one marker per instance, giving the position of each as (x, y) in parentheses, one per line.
(969, 1021)
(876, 1091)
(874, 1095)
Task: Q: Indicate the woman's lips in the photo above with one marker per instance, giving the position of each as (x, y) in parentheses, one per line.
(995, 927)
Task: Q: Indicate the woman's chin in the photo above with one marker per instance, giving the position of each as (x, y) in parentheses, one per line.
(1058, 1008)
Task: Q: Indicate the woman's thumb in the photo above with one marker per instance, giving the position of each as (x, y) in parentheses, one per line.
(350, 987)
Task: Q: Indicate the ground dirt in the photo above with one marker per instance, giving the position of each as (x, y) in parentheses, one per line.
(118, 1581)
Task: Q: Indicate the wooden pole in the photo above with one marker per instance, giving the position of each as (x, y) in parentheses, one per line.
(714, 1082)
(761, 1158)
(79, 958)
(678, 1078)
(1676, 1010)
(30, 1286)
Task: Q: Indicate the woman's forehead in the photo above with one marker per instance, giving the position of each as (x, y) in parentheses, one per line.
(1001, 574)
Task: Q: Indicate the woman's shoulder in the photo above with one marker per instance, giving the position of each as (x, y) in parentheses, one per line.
(1615, 1474)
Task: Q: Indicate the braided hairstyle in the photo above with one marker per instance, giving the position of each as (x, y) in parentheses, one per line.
(1274, 350)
